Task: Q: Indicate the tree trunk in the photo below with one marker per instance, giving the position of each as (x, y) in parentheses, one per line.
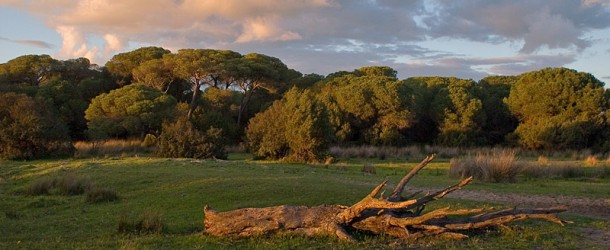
(396, 215)
(193, 104)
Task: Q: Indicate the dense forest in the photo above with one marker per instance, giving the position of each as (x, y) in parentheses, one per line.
(194, 102)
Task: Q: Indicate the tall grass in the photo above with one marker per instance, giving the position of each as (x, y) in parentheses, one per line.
(498, 166)
(149, 222)
(503, 166)
(421, 151)
(111, 148)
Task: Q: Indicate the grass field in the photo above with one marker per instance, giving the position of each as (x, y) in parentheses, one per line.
(174, 191)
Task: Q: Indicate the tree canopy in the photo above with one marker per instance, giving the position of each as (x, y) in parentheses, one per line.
(130, 111)
(222, 93)
(558, 108)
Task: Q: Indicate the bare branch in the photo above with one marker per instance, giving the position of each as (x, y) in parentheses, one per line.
(395, 196)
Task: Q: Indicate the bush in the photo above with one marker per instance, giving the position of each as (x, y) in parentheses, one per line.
(296, 128)
(29, 130)
(264, 135)
(498, 166)
(99, 195)
(181, 139)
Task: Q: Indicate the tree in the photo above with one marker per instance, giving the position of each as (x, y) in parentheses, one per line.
(257, 71)
(121, 65)
(377, 71)
(28, 130)
(500, 122)
(68, 101)
(133, 110)
(558, 108)
(154, 73)
(202, 67)
(307, 128)
(448, 111)
(29, 70)
(370, 109)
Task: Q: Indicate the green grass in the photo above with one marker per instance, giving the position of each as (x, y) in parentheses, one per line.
(175, 191)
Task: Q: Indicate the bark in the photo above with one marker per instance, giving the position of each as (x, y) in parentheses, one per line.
(396, 216)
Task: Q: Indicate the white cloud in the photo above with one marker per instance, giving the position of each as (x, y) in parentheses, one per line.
(74, 44)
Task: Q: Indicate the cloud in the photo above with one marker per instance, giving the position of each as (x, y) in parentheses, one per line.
(324, 36)
(74, 44)
(537, 23)
(30, 43)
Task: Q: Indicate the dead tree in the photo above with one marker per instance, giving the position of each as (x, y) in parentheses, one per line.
(395, 215)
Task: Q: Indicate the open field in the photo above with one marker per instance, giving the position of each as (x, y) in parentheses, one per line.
(173, 191)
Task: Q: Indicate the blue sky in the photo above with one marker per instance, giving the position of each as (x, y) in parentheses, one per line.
(462, 38)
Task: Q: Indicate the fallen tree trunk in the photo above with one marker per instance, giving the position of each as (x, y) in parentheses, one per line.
(396, 216)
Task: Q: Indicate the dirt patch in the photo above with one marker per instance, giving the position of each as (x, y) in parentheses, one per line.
(591, 207)
(596, 236)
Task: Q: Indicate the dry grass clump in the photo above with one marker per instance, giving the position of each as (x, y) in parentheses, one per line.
(498, 166)
(66, 184)
(553, 170)
(149, 222)
(112, 147)
(543, 160)
(380, 152)
(591, 160)
(369, 169)
(99, 195)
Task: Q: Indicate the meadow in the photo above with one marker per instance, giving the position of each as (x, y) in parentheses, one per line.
(140, 202)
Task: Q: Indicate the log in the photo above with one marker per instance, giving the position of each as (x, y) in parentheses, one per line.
(396, 216)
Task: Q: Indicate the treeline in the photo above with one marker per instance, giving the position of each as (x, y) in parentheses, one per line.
(193, 102)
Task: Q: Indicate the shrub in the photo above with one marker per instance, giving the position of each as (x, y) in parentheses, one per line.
(182, 139)
(264, 135)
(296, 128)
(495, 167)
(99, 195)
(28, 129)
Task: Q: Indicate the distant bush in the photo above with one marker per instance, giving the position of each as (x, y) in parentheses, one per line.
(28, 129)
(182, 139)
(99, 195)
(499, 166)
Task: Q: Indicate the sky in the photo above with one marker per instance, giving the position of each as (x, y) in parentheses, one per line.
(461, 38)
